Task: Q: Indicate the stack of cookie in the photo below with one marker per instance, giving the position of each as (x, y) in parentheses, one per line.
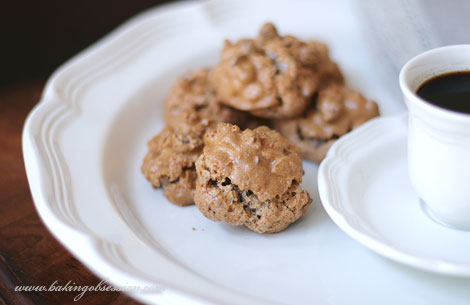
(217, 150)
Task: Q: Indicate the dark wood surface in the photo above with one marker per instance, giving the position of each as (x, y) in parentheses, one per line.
(37, 36)
(29, 254)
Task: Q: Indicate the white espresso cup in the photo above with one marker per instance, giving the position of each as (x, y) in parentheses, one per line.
(438, 139)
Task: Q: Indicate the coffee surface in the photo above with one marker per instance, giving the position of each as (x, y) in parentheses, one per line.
(450, 91)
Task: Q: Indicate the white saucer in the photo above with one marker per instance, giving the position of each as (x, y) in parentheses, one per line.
(364, 187)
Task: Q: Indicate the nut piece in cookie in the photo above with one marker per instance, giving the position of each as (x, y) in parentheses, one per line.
(171, 157)
(337, 110)
(273, 76)
(193, 93)
(250, 178)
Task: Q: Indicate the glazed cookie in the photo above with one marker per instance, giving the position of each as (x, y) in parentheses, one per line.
(250, 178)
(273, 76)
(337, 110)
(193, 93)
(171, 157)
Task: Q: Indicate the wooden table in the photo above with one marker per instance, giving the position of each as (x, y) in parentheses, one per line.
(29, 254)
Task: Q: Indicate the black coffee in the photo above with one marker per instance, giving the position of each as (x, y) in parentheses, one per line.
(450, 91)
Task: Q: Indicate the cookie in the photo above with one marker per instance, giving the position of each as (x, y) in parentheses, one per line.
(273, 76)
(337, 110)
(250, 178)
(193, 93)
(170, 160)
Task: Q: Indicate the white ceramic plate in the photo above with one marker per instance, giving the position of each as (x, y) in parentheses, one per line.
(84, 143)
(364, 187)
